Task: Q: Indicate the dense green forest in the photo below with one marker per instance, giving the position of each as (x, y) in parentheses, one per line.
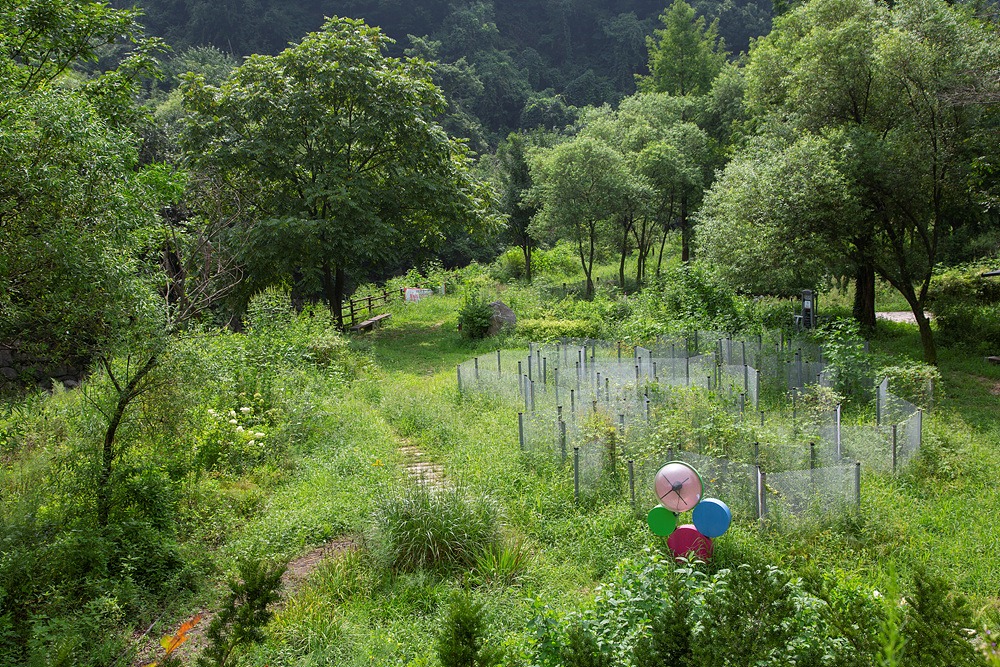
(191, 193)
(503, 65)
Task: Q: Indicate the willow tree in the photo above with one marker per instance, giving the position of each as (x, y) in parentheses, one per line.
(334, 148)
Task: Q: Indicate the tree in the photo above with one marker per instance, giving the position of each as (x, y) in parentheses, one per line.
(881, 82)
(515, 180)
(335, 146)
(768, 224)
(580, 186)
(685, 55)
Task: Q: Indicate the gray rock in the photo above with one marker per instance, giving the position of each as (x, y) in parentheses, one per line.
(503, 318)
(8, 373)
(6, 356)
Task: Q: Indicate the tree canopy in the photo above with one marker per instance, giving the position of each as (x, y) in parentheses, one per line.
(335, 147)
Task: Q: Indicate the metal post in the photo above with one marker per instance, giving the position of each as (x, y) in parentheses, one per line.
(687, 371)
(894, 449)
(647, 409)
(545, 370)
(878, 406)
(670, 453)
(761, 501)
(631, 481)
(756, 454)
(562, 439)
(857, 483)
(607, 390)
(559, 413)
(520, 429)
(576, 474)
(621, 423)
(531, 392)
(475, 362)
(840, 453)
(530, 374)
(498, 362)
(459, 370)
(572, 401)
(761, 417)
(619, 351)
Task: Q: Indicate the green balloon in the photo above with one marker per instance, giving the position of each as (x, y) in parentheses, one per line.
(661, 521)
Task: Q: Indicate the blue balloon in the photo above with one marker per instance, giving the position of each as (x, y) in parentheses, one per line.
(712, 517)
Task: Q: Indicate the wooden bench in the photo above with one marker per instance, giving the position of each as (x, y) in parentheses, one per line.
(371, 322)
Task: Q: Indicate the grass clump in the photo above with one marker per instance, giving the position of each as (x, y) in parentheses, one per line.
(425, 529)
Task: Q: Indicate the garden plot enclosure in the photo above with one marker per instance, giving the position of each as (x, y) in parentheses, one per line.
(756, 416)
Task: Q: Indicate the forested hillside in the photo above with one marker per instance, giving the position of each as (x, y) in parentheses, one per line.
(506, 63)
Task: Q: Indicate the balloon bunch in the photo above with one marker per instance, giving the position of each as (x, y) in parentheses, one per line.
(680, 488)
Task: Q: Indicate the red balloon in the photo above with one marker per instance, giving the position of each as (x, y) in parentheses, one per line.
(686, 542)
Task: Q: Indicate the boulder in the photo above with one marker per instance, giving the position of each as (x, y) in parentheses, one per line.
(503, 318)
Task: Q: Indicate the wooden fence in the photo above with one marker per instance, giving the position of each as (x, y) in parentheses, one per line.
(363, 307)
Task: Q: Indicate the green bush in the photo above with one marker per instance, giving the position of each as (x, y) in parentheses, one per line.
(747, 615)
(545, 330)
(684, 299)
(966, 307)
(475, 316)
(461, 640)
(425, 529)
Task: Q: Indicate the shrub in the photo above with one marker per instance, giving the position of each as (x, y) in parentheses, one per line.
(844, 351)
(475, 316)
(461, 640)
(545, 330)
(966, 307)
(684, 299)
(245, 612)
(430, 529)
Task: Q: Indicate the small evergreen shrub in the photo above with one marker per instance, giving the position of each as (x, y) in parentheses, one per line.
(244, 614)
(461, 641)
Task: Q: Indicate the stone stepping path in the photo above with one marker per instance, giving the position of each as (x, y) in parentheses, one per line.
(424, 471)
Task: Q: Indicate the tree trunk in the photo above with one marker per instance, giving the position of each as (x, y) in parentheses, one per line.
(526, 249)
(621, 263)
(685, 231)
(864, 295)
(333, 290)
(339, 287)
(926, 337)
(125, 397)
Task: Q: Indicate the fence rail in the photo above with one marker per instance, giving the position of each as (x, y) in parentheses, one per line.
(361, 308)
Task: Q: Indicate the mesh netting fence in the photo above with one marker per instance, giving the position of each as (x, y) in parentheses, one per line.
(599, 408)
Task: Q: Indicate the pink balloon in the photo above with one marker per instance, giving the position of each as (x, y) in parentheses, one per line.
(686, 541)
(678, 486)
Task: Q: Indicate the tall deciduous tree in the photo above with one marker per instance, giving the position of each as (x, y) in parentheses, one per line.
(685, 57)
(336, 146)
(580, 186)
(884, 80)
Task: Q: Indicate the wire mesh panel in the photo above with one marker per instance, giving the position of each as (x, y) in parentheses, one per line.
(868, 445)
(598, 404)
(816, 492)
(909, 434)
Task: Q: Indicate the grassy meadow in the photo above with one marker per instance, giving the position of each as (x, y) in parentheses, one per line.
(266, 445)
